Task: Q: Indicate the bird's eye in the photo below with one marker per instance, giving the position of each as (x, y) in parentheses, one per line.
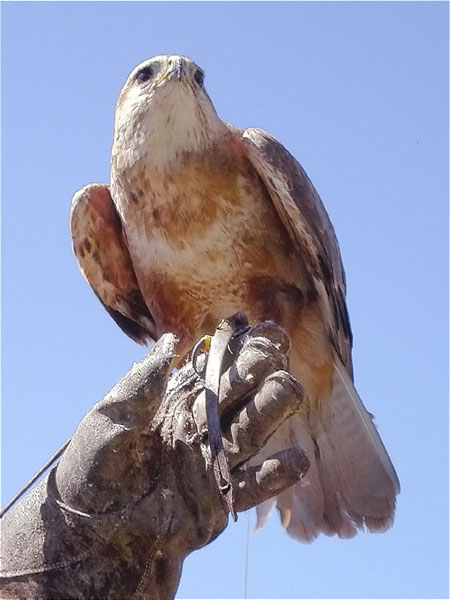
(199, 77)
(144, 74)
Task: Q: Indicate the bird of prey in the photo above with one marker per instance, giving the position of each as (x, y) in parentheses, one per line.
(202, 220)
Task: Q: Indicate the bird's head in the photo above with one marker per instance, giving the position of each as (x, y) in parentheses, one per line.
(163, 110)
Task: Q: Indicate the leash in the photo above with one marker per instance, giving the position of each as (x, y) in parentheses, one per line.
(35, 477)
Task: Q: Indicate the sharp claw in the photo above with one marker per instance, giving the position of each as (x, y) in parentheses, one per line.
(203, 345)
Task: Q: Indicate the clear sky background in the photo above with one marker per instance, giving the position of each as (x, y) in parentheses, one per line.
(358, 92)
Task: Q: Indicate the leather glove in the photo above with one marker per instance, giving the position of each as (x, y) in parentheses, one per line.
(134, 493)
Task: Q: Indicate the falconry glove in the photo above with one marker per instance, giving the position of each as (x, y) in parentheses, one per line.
(135, 493)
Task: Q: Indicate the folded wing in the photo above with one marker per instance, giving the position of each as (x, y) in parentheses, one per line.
(353, 483)
(305, 218)
(102, 254)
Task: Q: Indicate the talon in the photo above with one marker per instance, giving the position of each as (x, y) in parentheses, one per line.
(203, 345)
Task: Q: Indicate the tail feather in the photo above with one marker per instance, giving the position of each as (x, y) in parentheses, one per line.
(264, 512)
(314, 506)
(301, 507)
(365, 476)
(336, 518)
(351, 483)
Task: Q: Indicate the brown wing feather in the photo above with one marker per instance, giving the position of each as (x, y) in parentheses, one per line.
(102, 254)
(353, 482)
(301, 210)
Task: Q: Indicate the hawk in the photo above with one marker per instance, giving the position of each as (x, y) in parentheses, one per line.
(202, 220)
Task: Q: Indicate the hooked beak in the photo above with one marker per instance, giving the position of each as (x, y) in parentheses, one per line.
(175, 67)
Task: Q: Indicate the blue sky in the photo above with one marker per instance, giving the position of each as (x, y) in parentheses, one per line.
(358, 92)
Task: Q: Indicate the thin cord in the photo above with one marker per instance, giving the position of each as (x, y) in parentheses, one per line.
(246, 555)
(35, 477)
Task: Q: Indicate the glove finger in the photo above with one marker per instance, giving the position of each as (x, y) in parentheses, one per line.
(276, 334)
(258, 357)
(257, 484)
(279, 398)
(267, 329)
